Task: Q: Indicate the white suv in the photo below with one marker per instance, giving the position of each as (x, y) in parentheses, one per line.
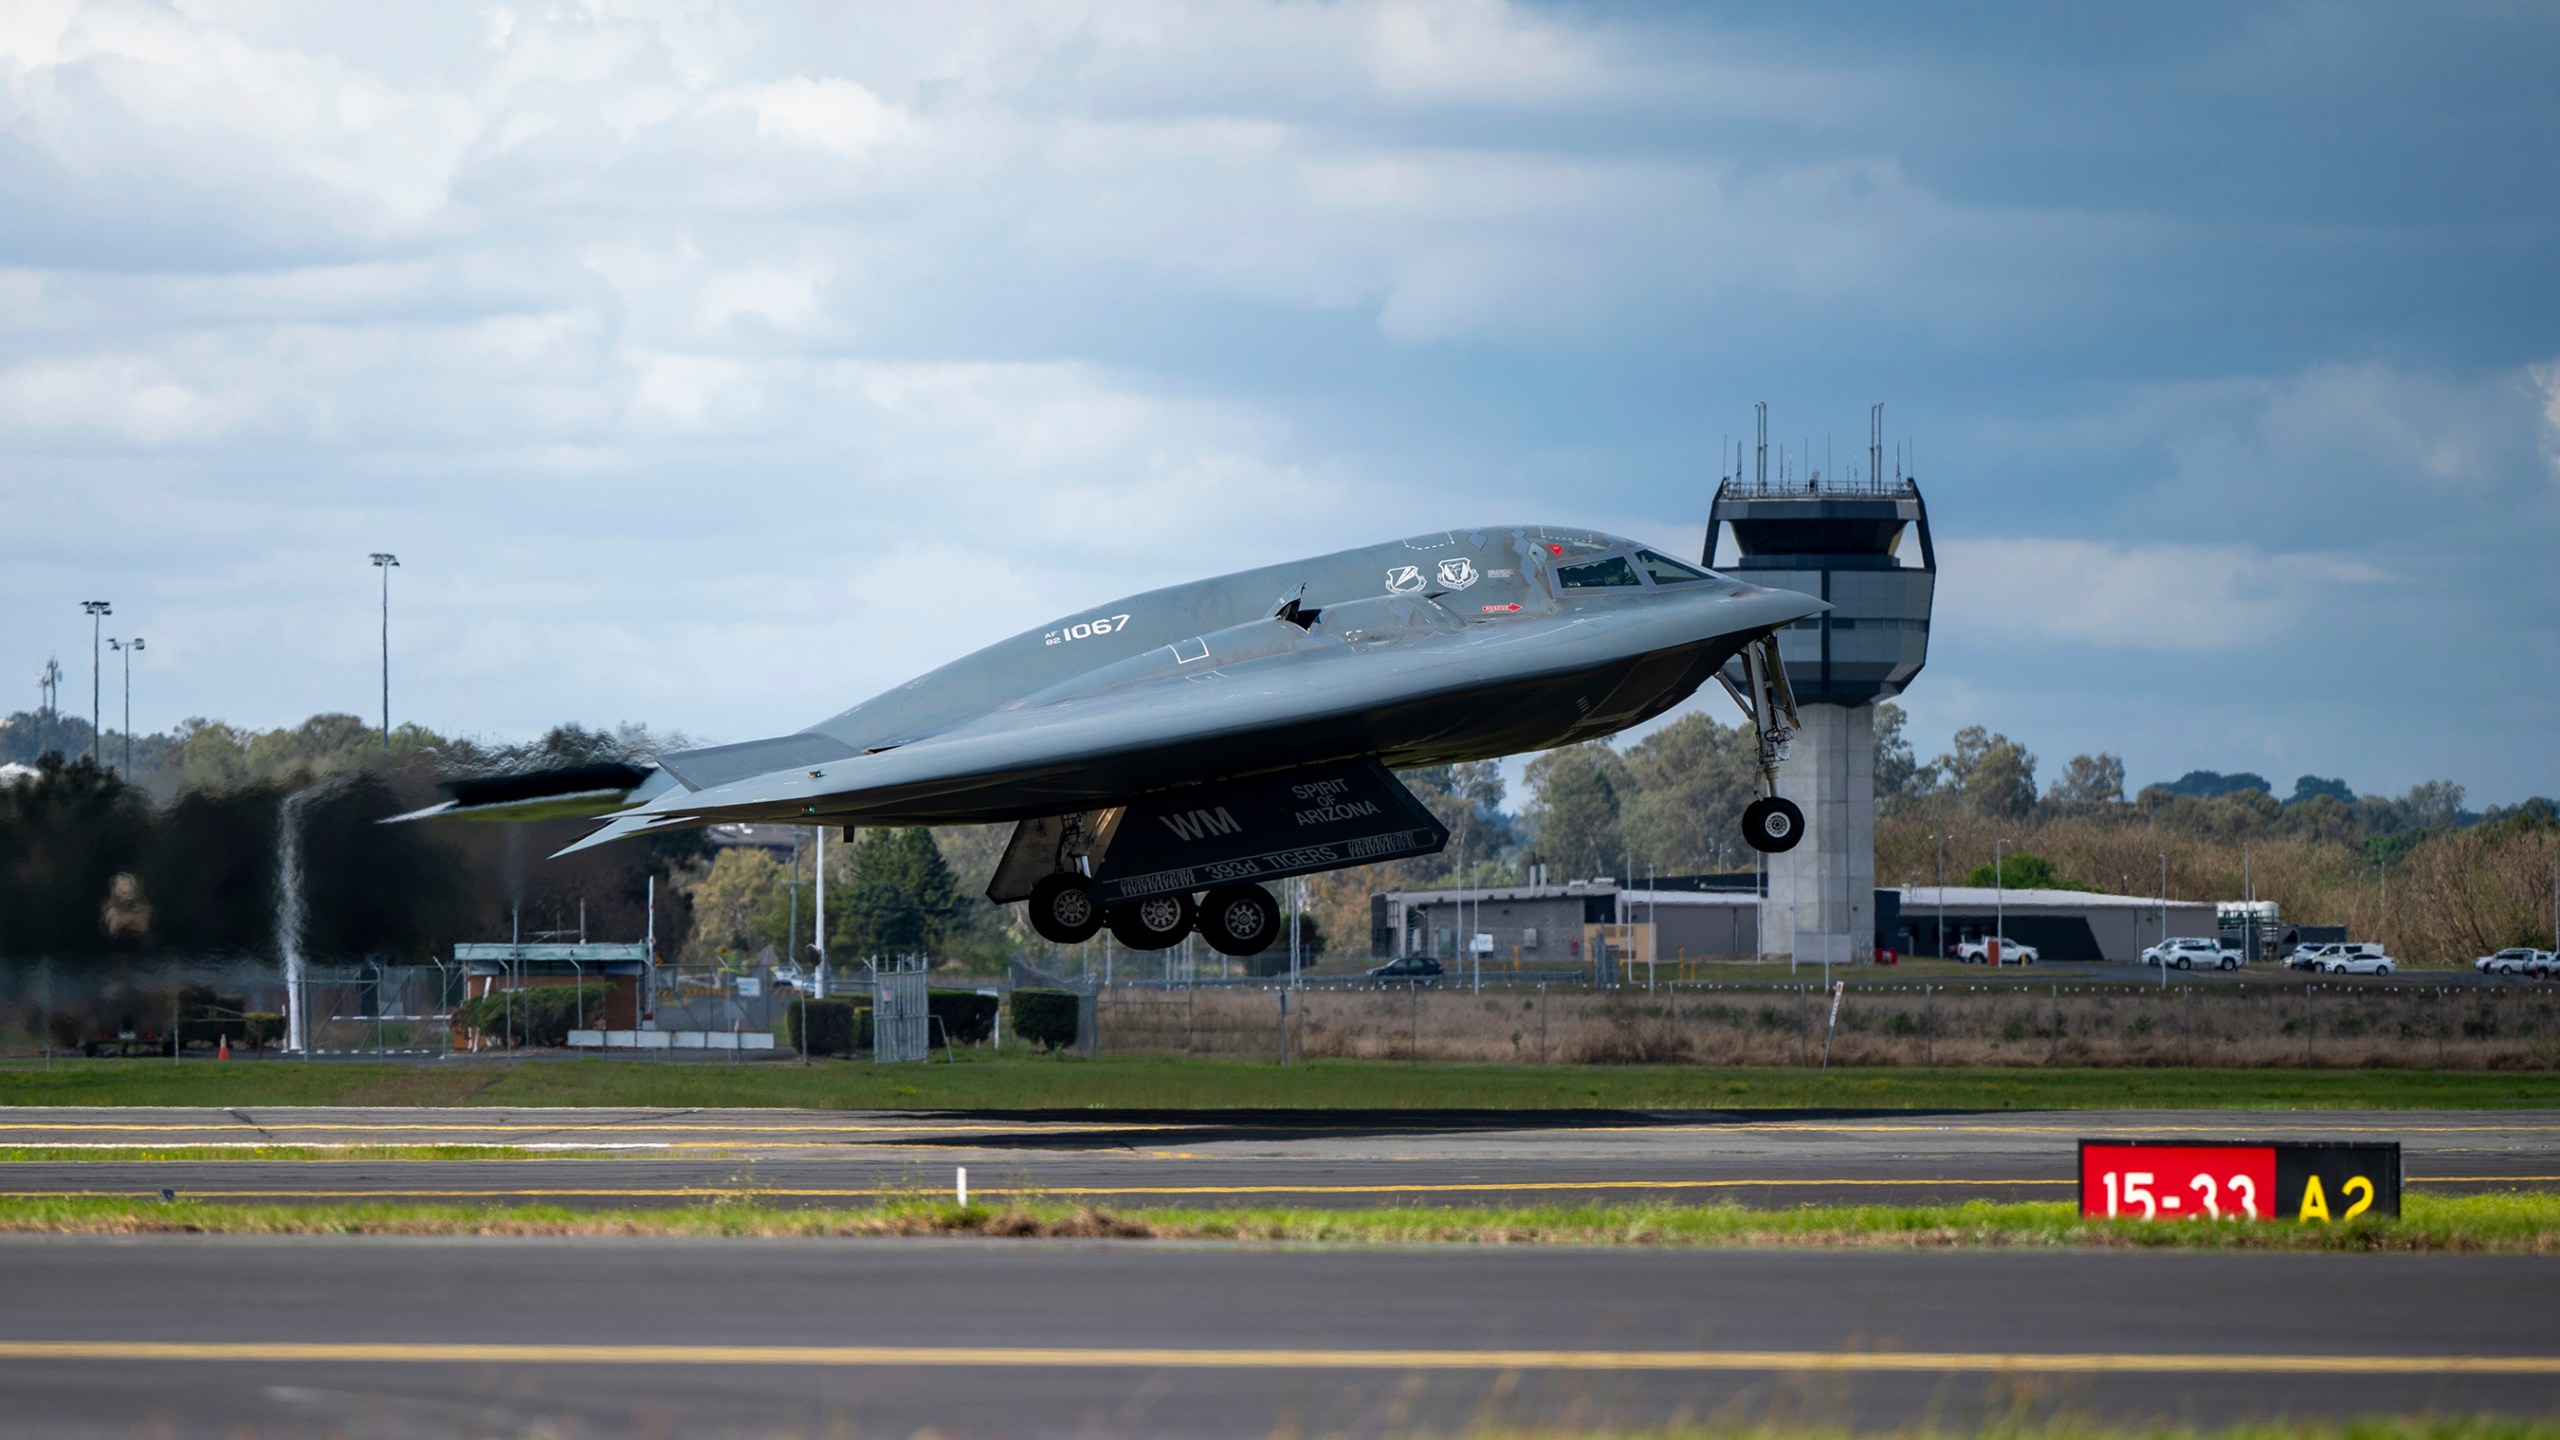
(2187, 952)
(1977, 952)
(2514, 960)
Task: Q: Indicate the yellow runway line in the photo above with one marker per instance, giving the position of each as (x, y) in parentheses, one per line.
(1099, 1357)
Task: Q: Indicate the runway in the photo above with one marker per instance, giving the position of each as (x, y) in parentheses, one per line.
(225, 1336)
(833, 1158)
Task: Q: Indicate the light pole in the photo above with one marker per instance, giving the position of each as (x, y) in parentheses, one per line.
(2164, 919)
(386, 562)
(127, 648)
(1942, 894)
(1999, 905)
(98, 611)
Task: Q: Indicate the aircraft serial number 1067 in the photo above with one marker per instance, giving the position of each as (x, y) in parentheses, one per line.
(1086, 629)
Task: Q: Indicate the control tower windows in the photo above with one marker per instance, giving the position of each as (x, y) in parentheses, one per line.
(1599, 574)
(1667, 571)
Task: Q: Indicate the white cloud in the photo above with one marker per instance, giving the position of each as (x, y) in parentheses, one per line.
(2198, 599)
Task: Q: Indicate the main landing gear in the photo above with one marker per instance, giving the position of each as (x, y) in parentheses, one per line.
(1771, 824)
(1236, 920)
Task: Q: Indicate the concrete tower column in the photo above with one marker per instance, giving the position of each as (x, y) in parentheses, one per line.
(1826, 887)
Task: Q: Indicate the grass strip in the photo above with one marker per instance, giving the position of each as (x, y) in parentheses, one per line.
(1018, 1082)
(2506, 1224)
(2071, 1427)
(2021, 1425)
(110, 1153)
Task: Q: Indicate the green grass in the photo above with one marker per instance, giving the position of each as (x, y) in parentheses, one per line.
(2019, 1427)
(1059, 1083)
(110, 1153)
(2513, 1224)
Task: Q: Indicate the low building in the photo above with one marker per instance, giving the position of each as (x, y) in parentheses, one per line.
(1565, 925)
(2060, 924)
(488, 969)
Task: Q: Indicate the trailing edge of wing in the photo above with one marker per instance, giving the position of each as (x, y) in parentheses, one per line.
(622, 827)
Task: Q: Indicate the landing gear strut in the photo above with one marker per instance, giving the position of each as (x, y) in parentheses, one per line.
(1771, 824)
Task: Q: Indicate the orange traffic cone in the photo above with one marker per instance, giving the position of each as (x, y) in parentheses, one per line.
(222, 1048)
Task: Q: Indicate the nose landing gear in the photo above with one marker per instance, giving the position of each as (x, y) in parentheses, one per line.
(1771, 824)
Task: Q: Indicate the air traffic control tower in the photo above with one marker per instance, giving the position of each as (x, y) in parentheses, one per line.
(1861, 543)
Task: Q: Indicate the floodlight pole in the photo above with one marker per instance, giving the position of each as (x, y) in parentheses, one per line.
(1942, 895)
(126, 649)
(386, 562)
(97, 610)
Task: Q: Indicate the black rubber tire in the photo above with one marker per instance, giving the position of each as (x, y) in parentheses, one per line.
(1772, 826)
(2229, 965)
(1240, 920)
(1156, 923)
(2185, 964)
(1062, 910)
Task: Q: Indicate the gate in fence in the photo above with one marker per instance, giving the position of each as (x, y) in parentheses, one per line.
(899, 1018)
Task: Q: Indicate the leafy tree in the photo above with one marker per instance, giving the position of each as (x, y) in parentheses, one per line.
(1687, 785)
(901, 898)
(64, 838)
(2206, 784)
(1897, 769)
(1987, 772)
(2089, 780)
(2022, 871)
(2312, 787)
(1576, 796)
(739, 902)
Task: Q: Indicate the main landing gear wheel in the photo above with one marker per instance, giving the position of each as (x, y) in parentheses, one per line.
(1772, 826)
(1240, 920)
(1156, 923)
(1062, 910)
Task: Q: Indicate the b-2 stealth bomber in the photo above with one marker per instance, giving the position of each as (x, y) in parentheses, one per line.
(1166, 755)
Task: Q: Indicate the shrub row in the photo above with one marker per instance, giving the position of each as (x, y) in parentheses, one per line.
(543, 1015)
(1046, 1018)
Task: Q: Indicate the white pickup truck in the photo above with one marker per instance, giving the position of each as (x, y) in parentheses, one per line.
(1978, 952)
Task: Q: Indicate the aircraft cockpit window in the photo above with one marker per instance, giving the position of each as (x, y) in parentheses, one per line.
(1667, 571)
(1599, 574)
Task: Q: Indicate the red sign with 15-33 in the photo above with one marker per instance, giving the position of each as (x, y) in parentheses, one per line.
(2313, 1183)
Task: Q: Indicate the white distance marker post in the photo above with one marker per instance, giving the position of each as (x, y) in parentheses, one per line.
(960, 1184)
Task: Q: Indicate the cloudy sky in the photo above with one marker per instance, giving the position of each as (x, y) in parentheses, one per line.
(716, 365)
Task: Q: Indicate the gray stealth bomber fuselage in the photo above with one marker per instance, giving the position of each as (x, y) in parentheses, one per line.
(1452, 646)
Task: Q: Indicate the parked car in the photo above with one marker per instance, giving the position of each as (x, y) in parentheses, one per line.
(2515, 960)
(2313, 957)
(2189, 952)
(789, 977)
(1415, 968)
(1978, 952)
(2358, 960)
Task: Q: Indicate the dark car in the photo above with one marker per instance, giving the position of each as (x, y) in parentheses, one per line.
(1408, 967)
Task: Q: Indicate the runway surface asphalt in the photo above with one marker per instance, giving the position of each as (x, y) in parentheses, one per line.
(628, 1158)
(222, 1336)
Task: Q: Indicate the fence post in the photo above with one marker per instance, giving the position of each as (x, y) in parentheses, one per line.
(2187, 1020)
(1928, 1026)
(1804, 1033)
(1542, 1022)
(2306, 1025)
(2053, 1053)
(2439, 1027)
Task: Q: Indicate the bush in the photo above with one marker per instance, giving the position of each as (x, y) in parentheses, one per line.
(826, 1027)
(542, 1015)
(968, 1018)
(1046, 1018)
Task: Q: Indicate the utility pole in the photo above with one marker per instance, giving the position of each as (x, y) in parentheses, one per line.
(1942, 895)
(2164, 920)
(97, 610)
(386, 562)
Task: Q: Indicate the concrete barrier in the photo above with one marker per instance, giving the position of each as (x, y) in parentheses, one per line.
(670, 1040)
